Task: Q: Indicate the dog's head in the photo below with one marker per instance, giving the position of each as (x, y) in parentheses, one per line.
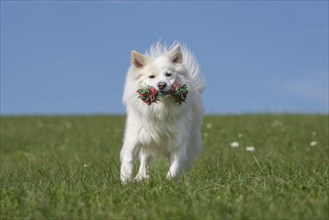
(158, 72)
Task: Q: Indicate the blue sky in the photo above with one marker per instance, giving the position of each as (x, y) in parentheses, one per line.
(71, 57)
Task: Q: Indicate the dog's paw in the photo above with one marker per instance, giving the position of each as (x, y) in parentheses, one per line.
(125, 179)
(139, 178)
(172, 177)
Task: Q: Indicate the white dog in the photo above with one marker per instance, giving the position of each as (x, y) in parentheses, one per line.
(164, 127)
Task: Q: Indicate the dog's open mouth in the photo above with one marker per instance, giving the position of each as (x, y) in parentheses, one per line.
(151, 95)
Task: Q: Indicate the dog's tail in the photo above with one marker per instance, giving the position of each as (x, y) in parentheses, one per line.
(189, 61)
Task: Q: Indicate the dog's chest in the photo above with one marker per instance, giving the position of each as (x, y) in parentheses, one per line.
(158, 136)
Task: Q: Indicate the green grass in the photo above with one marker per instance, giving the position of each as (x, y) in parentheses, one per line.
(68, 168)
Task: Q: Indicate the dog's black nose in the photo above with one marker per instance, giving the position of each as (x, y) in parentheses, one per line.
(162, 85)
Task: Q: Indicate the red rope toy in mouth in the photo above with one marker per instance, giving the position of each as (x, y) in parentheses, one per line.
(150, 95)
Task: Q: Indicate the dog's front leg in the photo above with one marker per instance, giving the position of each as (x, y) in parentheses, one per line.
(127, 156)
(177, 163)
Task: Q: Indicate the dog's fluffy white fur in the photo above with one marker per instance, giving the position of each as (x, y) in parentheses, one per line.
(162, 128)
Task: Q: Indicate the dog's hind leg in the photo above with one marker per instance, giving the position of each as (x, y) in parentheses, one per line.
(143, 172)
(178, 162)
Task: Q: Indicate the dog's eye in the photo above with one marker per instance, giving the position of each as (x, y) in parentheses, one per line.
(168, 74)
(151, 76)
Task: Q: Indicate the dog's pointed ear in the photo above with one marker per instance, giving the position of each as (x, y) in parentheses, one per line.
(175, 55)
(138, 60)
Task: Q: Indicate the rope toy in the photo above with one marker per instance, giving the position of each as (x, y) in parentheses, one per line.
(151, 95)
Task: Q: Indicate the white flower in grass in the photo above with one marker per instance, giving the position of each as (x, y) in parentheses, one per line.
(313, 143)
(40, 124)
(208, 125)
(68, 124)
(277, 123)
(234, 144)
(250, 148)
(85, 165)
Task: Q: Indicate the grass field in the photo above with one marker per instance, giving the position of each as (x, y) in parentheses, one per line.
(68, 168)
